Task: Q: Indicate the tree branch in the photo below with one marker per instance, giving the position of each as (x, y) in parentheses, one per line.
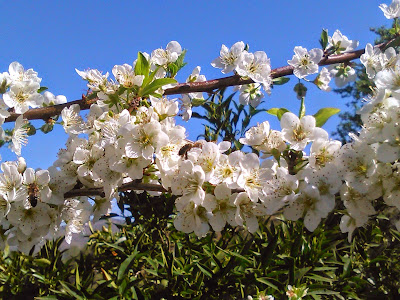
(133, 185)
(45, 113)
(182, 88)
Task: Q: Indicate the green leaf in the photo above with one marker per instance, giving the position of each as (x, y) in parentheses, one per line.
(77, 278)
(324, 114)
(280, 80)
(69, 289)
(42, 89)
(125, 264)
(265, 281)
(179, 62)
(172, 69)
(42, 262)
(205, 270)
(155, 85)
(198, 102)
(142, 66)
(46, 128)
(238, 145)
(278, 112)
(108, 278)
(324, 39)
(319, 278)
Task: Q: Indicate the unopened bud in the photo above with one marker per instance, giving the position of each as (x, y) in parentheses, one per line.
(301, 90)
(21, 165)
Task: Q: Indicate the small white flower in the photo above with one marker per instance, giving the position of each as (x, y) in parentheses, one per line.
(250, 94)
(323, 152)
(341, 43)
(305, 62)
(343, 74)
(229, 58)
(163, 57)
(372, 61)
(247, 212)
(22, 95)
(388, 79)
(17, 73)
(50, 99)
(222, 207)
(188, 183)
(252, 177)
(300, 132)
(125, 75)
(143, 140)
(323, 79)
(96, 80)
(257, 66)
(72, 121)
(19, 135)
(192, 218)
(279, 191)
(392, 11)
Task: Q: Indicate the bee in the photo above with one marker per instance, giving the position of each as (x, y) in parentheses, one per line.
(33, 191)
(186, 148)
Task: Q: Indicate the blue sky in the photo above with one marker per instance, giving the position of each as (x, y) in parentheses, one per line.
(55, 37)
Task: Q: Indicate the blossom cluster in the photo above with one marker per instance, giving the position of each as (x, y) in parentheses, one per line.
(20, 90)
(130, 135)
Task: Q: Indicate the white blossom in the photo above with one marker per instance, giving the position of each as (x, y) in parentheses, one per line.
(305, 62)
(229, 58)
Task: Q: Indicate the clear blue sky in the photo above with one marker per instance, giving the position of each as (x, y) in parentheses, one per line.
(55, 37)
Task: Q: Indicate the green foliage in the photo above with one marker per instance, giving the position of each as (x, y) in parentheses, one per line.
(225, 118)
(149, 259)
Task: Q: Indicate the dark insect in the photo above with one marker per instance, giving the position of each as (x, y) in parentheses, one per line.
(186, 148)
(33, 191)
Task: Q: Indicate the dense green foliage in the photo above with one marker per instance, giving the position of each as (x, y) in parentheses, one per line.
(149, 259)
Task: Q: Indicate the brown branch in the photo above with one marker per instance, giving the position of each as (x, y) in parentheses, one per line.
(133, 185)
(183, 88)
(45, 113)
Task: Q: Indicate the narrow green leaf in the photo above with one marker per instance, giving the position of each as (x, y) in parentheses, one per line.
(42, 89)
(324, 114)
(77, 278)
(69, 289)
(280, 80)
(206, 272)
(142, 66)
(42, 262)
(155, 85)
(319, 278)
(324, 39)
(265, 281)
(125, 264)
